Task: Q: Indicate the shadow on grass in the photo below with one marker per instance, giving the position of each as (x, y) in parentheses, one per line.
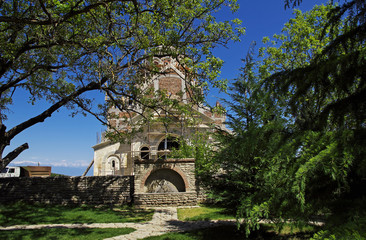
(63, 233)
(21, 213)
(230, 232)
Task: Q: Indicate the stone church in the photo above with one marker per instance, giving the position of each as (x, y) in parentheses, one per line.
(146, 155)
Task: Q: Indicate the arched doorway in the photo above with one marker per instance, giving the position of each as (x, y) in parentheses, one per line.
(163, 181)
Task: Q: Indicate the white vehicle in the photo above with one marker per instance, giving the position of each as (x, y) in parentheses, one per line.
(10, 172)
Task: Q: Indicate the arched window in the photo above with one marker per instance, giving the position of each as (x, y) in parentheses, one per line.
(114, 163)
(168, 143)
(144, 153)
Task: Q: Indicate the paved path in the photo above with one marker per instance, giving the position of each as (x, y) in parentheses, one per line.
(164, 220)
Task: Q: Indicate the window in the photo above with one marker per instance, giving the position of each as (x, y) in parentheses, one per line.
(145, 153)
(113, 163)
(11, 170)
(168, 143)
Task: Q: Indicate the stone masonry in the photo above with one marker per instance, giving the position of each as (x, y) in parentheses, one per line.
(184, 167)
(68, 190)
(163, 199)
(91, 190)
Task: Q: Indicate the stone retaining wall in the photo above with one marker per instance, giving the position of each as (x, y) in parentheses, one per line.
(90, 190)
(68, 190)
(165, 199)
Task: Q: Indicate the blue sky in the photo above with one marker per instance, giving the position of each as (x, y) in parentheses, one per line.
(65, 142)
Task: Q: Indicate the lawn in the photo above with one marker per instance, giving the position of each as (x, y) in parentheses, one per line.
(204, 213)
(21, 213)
(65, 234)
(266, 231)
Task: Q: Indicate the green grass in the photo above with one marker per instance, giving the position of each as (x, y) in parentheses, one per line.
(66, 234)
(232, 233)
(21, 213)
(266, 231)
(204, 213)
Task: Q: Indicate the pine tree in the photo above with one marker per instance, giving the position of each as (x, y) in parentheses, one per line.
(283, 160)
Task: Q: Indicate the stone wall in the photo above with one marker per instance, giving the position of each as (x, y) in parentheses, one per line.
(166, 199)
(90, 190)
(184, 167)
(68, 190)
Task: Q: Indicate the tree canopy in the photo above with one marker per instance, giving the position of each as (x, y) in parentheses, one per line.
(338, 70)
(296, 149)
(58, 50)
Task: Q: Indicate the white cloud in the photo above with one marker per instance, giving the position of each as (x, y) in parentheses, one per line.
(18, 163)
(62, 163)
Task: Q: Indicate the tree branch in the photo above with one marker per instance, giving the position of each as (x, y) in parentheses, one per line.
(72, 13)
(41, 117)
(15, 82)
(12, 155)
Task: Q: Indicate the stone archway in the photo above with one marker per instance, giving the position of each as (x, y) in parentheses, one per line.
(179, 172)
(164, 180)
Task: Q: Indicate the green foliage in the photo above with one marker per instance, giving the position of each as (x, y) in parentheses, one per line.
(348, 223)
(327, 89)
(280, 162)
(57, 51)
(347, 230)
(199, 148)
(185, 150)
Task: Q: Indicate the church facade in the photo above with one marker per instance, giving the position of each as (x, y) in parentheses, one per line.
(147, 154)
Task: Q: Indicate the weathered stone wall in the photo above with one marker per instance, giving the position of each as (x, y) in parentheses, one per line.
(90, 190)
(166, 199)
(184, 167)
(68, 190)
